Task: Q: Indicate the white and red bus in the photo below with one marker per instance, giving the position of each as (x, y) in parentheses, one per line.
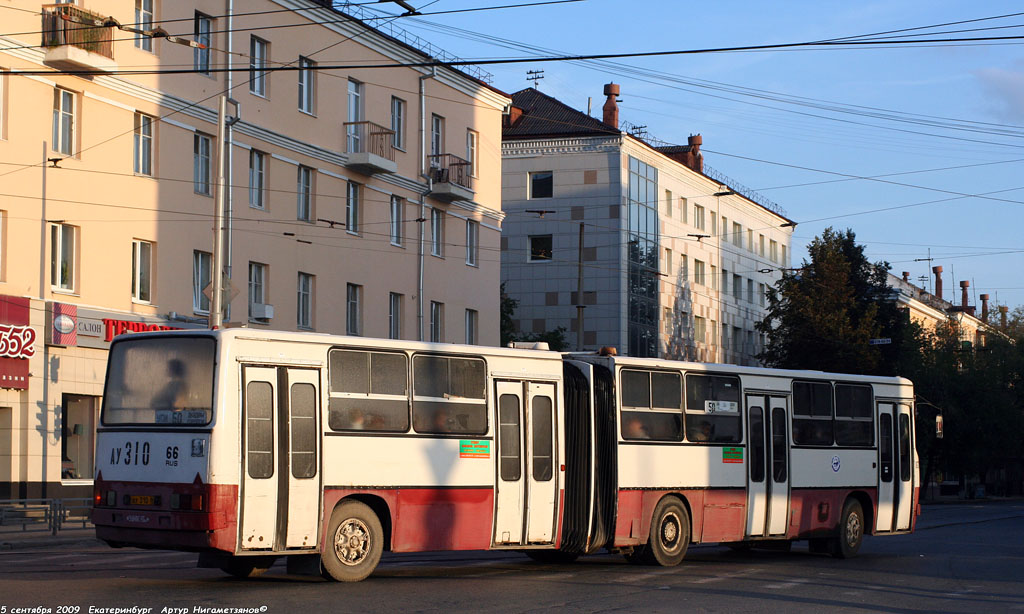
(247, 445)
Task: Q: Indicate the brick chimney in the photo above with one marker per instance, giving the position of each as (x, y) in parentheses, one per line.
(906, 277)
(696, 158)
(1002, 314)
(611, 106)
(984, 307)
(963, 293)
(938, 281)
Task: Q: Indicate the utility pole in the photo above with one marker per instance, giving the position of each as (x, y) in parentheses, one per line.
(217, 308)
(579, 295)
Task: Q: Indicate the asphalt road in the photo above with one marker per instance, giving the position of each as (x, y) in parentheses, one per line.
(963, 558)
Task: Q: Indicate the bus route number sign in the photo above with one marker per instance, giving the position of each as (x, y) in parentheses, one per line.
(721, 407)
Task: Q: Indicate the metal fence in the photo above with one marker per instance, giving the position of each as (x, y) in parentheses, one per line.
(49, 515)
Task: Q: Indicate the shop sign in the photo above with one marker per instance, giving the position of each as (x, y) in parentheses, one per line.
(73, 326)
(17, 342)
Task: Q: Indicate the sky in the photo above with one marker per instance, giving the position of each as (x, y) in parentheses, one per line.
(771, 119)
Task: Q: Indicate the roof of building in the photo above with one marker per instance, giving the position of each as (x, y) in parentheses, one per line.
(544, 116)
(673, 149)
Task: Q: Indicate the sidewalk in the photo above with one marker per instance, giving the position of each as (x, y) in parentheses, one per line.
(24, 540)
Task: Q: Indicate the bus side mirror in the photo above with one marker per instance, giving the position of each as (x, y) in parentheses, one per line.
(938, 426)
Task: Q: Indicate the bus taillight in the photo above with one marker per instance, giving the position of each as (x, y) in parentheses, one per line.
(187, 502)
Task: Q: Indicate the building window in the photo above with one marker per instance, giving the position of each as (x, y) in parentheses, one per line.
(700, 329)
(785, 256)
(62, 257)
(683, 206)
(202, 269)
(737, 287)
(714, 224)
(472, 317)
(714, 277)
(394, 315)
(258, 292)
(472, 242)
(397, 220)
(773, 251)
(201, 34)
(355, 114)
(541, 248)
(737, 235)
(78, 432)
(304, 301)
(760, 294)
(304, 192)
(750, 240)
(398, 123)
(750, 290)
(667, 264)
(698, 273)
(760, 245)
(436, 137)
(201, 159)
(698, 217)
(307, 84)
(436, 322)
(63, 137)
(258, 56)
(143, 144)
(142, 271)
(353, 309)
(257, 178)
(542, 184)
(437, 233)
(668, 203)
(144, 21)
(352, 208)
(472, 153)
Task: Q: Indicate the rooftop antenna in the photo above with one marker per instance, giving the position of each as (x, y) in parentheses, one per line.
(928, 260)
(535, 76)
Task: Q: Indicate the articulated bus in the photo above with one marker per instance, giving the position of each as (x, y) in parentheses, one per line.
(246, 446)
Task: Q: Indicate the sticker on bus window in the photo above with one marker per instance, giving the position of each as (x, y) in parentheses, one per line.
(721, 407)
(732, 455)
(474, 448)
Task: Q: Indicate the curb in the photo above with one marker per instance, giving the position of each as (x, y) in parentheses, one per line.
(17, 542)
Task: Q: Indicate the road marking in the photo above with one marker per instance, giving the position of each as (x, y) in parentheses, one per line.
(781, 585)
(725, 576)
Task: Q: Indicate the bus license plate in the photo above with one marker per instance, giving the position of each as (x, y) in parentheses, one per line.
(141, 500)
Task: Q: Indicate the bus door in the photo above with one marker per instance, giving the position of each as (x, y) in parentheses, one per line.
(887, 492)
(904, 473)
(526, 496)
(768, 466)
(280, 497)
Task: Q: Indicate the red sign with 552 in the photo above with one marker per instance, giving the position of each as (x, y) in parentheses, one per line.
(17, 342)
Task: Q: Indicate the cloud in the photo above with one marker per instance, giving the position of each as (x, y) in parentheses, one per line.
(1004, 91)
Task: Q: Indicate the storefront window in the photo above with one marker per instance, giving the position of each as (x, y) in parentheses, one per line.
(78, 436)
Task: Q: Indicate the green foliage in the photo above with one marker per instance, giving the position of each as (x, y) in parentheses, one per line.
(824, 315)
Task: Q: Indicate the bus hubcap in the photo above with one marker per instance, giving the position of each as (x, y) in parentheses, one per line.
(352, 541)
(670, 531)
(852, 529)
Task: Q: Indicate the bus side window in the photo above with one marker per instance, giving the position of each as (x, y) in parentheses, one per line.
(855, 424)
(369, 391)
(885, 446)
(812, 413)
(713, 408)
(651, 405)
(448, 395)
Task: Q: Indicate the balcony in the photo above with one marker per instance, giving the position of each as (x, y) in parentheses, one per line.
(451, 178)
(76, 39)
(369, 148)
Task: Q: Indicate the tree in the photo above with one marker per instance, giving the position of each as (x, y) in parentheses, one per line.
(824, 314)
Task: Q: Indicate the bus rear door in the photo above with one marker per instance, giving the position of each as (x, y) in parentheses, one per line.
(280, 498)
(527, 485)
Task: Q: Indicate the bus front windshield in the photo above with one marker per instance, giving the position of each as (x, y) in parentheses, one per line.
(160, 380)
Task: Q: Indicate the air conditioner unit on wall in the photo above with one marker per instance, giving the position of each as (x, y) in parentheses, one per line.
(261, 311)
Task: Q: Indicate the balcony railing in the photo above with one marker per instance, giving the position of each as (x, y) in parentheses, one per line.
(66, 24)
(368, 137)
(449, 168)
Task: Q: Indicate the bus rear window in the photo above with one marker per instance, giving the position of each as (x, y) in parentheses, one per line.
(160, 380)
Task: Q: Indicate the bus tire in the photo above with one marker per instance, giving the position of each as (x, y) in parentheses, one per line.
(551, 556)
(851, 531)
(670, 534)
(247, 566)
(355, 541)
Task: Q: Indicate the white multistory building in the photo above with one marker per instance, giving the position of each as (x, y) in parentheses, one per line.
(675, 263)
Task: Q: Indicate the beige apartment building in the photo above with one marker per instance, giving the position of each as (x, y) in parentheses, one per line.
(362, 200)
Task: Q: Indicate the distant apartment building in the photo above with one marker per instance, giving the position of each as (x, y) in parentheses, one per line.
(675, 263)
(363, 201)
(931, 311)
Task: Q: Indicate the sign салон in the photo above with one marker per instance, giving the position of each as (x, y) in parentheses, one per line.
(72, 326)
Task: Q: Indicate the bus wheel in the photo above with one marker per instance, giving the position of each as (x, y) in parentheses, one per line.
(247, 566)
(851, 531)
(670, 534)
(551, 556)
(355, 541)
